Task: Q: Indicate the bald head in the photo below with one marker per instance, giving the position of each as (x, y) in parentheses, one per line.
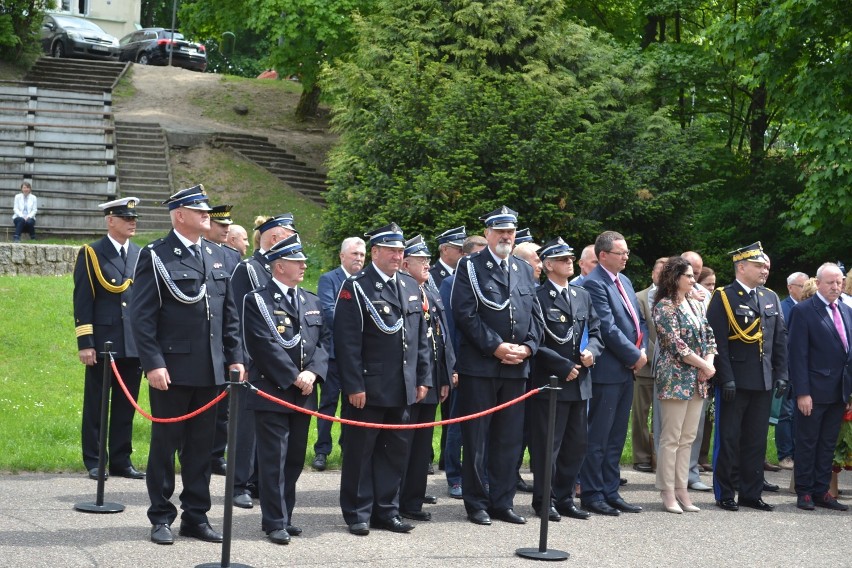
(695, 260)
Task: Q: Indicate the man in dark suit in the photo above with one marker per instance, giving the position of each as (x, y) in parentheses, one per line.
(821, 372)
(785, 429)
(250, 274)
(572, 342)
(499, 322)
(102, 294)
(187, 332)
(625, 340)
(752, 342)
(282, 331)
(382, 355)
(353, 252)
(442, 362)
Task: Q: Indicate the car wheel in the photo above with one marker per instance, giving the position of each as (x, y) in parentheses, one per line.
(58, 50)
(142, 59)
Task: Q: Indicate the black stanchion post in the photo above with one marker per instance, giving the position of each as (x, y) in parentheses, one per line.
(542, 552)
(235, 392)
(99, 506)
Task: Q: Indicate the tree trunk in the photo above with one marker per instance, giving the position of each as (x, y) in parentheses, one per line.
(757, 126)
(308, 103)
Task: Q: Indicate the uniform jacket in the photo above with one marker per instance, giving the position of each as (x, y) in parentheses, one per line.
(249, 274)
(745, 363)
(617, 329)
(439, 272)
(482, 329)
(819, 364)
(370, 360)
(274, 368)
(100, 315)
(327, 289)
(443, 358)
(678, 337)
(232, 258)
(193, 341)
(554, 358)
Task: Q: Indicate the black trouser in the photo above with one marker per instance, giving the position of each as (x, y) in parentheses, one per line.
(740, 444)
(569, 447)
(816, 437)
(419, 457)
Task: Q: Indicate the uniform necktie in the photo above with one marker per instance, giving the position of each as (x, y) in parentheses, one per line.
(196, 251)
(391, 283)
(504, 266)
(838, 324)
(291, 297)
(630, 310)
(122, 253)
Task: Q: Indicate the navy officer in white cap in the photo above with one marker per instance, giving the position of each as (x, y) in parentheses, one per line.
(102, 292)
(187, 333)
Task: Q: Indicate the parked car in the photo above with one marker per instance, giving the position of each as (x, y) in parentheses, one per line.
(69, 36)
(151, 46)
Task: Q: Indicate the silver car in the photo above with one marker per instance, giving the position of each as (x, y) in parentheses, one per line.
(69, 36)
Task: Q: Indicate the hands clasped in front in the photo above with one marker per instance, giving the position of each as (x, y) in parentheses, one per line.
(512, 353)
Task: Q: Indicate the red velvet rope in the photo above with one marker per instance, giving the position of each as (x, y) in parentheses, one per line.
(291, 406)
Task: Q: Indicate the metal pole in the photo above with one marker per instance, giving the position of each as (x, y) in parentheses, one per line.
(99, 506)
(174, 18)
(542, 553)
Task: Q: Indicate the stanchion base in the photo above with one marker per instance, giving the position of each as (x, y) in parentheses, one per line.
(95, 508)
(536, 554)
(219, 565)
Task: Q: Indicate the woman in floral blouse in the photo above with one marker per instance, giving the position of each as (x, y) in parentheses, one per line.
(684, 364)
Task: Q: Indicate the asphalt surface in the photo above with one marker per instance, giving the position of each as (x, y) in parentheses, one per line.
(40, 527)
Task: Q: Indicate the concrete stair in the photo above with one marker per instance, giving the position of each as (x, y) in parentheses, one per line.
(285, 166)
(144, 172)
(78, 75)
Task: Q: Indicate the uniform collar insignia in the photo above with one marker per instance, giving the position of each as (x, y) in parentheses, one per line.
(553, 293)
(209, 251)
(402, 283)
(514, 267)
(379, 285)
(177, 251)
(276, 295)
(574, 293)
(489, 265)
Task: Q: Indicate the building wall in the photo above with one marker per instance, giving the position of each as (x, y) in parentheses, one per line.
(116, 17)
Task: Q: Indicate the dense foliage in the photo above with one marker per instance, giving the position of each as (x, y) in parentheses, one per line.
(20, 21)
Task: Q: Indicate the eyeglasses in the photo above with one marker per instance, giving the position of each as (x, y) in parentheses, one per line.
(797, 285)
(621, 253)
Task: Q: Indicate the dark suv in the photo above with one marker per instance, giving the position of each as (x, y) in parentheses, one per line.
(151, 46)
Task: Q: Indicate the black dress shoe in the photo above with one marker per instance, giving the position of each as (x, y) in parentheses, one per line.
(770, 467)
(202, 532)
(508, 516)
(243, 501)
(93, 474)
(394, 524)
(805, 502)
(758, 504)
(622, 481)
(218, 467)
(643, 467)
(571, 510)
(552, 514)
(162, 534)
(523, 486)
(624, 506)
(770, 486)
(828, 501)
(417, 515)
(430, 499)
(359, 529)
(279, 536)
(319, 463)
(129, 472)
(293, 531)
(479, 518)
(431, 470)
(601, 508)
(728, 505)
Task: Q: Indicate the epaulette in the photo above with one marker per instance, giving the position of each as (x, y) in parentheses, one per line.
(156, 243)
(354, 277)
(308, 292)
(232, 248)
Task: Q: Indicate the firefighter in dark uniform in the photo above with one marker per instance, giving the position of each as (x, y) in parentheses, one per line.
(282, 331)
(572, 342)
(102, 292)
(382, 353)
(187, 332)
(752, 360)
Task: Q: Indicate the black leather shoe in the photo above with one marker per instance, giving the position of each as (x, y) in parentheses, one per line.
(202, 532)
(571, 510)
(827, 501)
(129, 472)
(728, 505)
(479, 518)
(523, 486)
(243, 501)
(758, 504)
(643, 467)
(293, 531)
(805, 502)
(93, 474)
(279, 536)
(162, 534)
(430, 499)
(218, 467)
(552, 514)
(770, 467)
(508, 516)
(431, 470)
(601, 508)
(770, 486)
(624, 506)
(417, 515)
(359, 529)
(319, 463)
(394, 524)
(622, 481)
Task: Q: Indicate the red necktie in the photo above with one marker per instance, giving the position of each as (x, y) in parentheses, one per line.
(838, 324)
(630, 310)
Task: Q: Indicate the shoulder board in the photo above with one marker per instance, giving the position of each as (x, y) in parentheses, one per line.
(354, 277)
(475, 254)
(308, 293)
(224, 246)
(156, 243)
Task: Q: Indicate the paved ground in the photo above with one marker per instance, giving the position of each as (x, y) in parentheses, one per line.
(39, 527)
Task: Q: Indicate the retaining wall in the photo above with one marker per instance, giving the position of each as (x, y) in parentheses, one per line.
(37, 260)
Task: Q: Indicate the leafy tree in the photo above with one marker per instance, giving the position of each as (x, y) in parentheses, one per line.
(448, 109)
(20, 21)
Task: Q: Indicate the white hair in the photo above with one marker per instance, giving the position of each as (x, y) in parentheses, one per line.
(352, 242)
(827, 266)
(795, 276)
